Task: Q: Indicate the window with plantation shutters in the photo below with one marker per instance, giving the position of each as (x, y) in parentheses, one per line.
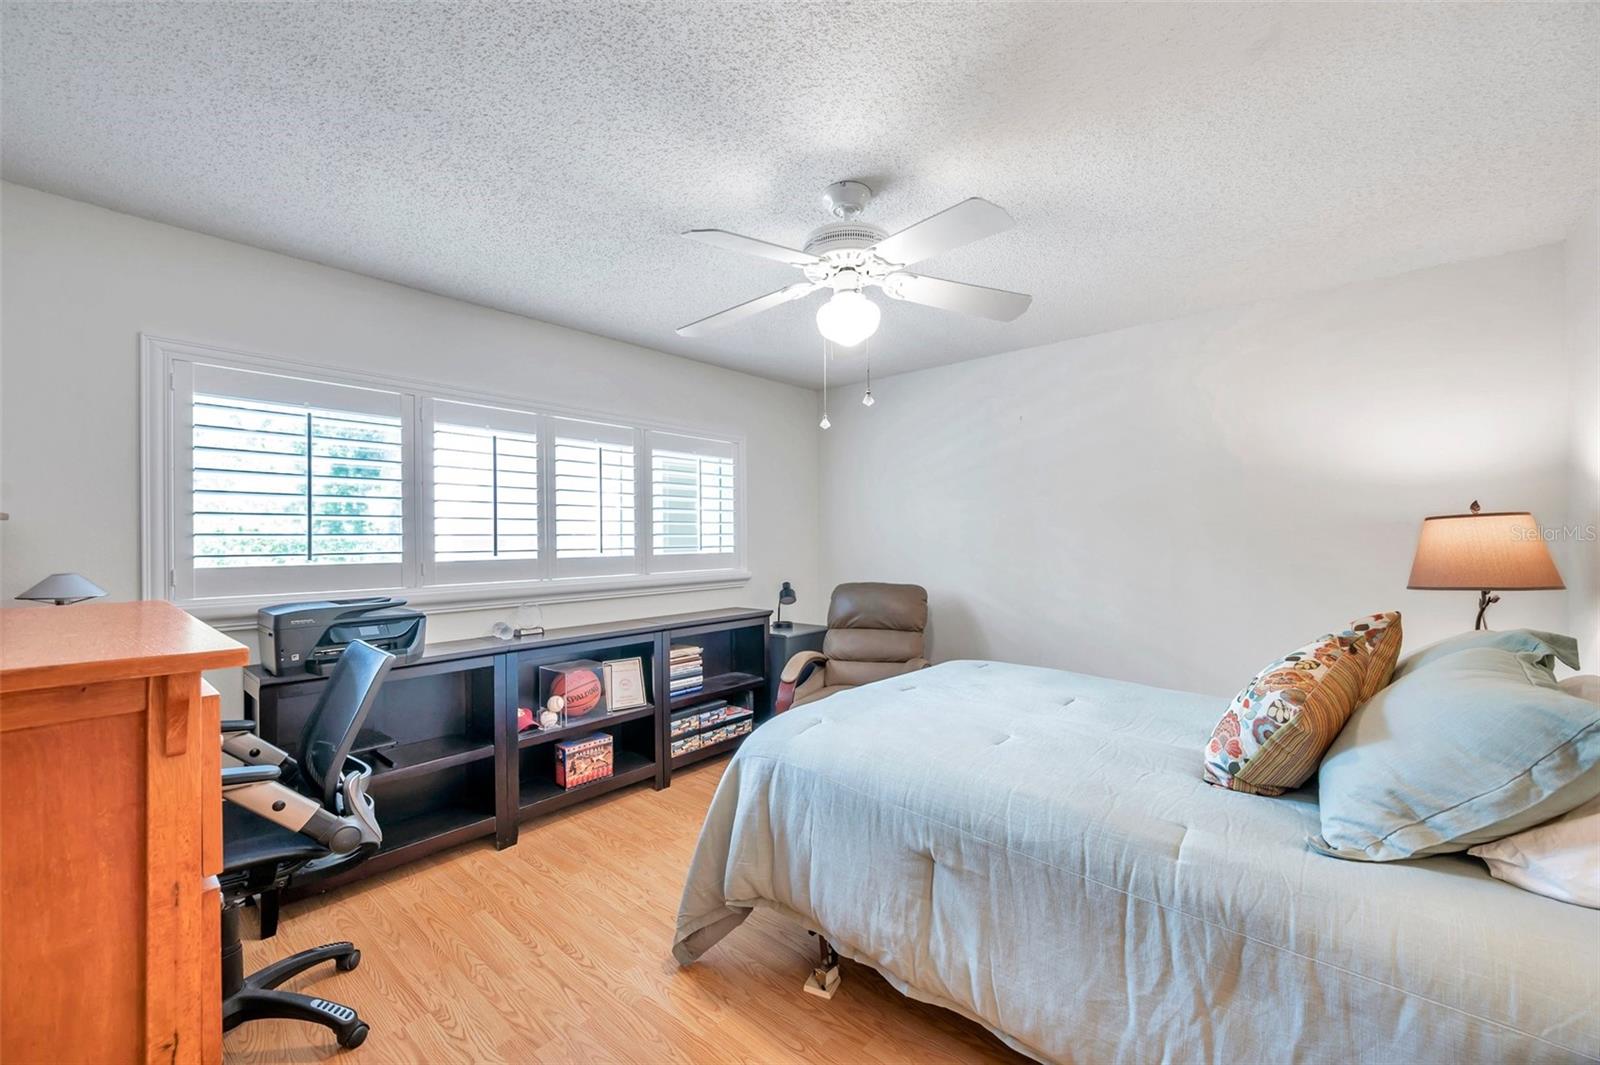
(592, 492)
(268, 481)
(692, 513)
(484, 477)
(295, 478)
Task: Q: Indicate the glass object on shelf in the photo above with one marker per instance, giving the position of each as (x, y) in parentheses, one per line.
(527, 621)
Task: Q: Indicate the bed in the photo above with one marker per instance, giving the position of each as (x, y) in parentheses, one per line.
(1035, 849)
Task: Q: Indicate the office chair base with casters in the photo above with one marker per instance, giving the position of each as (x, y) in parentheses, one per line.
(284, 818)
(255, 997)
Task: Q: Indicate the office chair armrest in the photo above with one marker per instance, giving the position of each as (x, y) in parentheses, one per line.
(235, 775)
(237, 724)
(250, 749)
(796, 672)
(265, 797)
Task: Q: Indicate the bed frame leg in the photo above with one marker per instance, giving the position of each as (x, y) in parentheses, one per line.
(824, 979)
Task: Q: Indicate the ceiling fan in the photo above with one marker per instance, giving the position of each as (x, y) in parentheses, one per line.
(849, 256)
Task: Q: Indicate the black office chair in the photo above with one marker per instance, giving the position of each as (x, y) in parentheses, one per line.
(285, 818)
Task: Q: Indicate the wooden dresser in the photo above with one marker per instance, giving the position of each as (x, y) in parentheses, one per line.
(110, 834)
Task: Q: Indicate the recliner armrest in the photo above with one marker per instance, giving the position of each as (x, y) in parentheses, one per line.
(795, 674)
(235, 775)
(802, 663)
(238, 724)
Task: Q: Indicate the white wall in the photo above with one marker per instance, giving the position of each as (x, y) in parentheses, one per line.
(1583, 340)
(1175, 503)
(81, 283)
(1172, 503)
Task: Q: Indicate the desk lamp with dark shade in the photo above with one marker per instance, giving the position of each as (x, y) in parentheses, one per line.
(1485, 553)
(786, 597)
(63, 589)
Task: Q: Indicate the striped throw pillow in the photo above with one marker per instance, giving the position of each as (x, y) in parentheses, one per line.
(1382, 635)
(1275, 731)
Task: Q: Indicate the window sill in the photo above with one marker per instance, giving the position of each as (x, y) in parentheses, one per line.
(238, 613)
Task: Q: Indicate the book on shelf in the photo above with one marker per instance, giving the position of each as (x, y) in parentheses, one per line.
(711, 737)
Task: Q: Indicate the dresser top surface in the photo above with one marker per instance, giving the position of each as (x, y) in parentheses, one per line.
(51, 646)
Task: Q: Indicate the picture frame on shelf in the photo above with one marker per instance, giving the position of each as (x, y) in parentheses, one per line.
(623, 685)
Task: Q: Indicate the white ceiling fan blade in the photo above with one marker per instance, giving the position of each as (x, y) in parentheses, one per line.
(748, 309)
(996, 303)
(952, 227)
(721, 238)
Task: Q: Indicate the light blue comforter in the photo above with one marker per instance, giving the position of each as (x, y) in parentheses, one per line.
(1036, 850)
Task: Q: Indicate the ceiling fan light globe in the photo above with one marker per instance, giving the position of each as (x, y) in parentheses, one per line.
(848, 318)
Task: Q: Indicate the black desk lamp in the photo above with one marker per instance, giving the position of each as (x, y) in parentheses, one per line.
(786, 597)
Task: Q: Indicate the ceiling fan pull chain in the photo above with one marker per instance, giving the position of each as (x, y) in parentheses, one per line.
(824, 423)
(867, 400)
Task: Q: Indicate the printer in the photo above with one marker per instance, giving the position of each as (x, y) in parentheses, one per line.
(312, 636)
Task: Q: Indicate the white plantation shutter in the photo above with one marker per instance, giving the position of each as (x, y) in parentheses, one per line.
(289, 479)
(269, 481)
(593, 488)
(692, 511)
(484, 496)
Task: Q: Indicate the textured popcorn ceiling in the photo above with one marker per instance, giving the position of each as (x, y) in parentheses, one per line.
(542, 158)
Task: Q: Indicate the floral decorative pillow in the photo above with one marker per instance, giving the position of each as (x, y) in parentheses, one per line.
(1275, 731)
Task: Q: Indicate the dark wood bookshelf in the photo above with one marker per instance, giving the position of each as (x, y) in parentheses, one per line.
(582, 726)
(427, 756)
(542, 795)
(461, 772)
(728, 746)
(719, 687)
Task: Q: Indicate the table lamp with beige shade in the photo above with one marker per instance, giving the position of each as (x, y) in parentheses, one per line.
(1485, 553)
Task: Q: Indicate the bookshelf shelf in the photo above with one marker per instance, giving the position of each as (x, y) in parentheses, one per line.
(534, 737)
(719, 687)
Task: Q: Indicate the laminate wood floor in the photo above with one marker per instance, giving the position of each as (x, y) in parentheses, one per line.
(559, 950)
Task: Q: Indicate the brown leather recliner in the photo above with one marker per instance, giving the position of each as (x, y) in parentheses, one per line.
(874, 631)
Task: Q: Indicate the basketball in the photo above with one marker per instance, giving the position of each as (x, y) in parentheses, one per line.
(580, 689)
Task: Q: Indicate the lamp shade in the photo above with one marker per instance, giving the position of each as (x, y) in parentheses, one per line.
(1502, 552)
(62, 589)
(786, 594)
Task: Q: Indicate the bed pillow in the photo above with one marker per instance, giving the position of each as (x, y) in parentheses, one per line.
(1478, 745)
(1560, 858)
(1584, 686)
(1382, 635)
(1546, 646)
(1274, 732)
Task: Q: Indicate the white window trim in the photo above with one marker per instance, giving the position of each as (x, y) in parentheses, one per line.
(160, 529)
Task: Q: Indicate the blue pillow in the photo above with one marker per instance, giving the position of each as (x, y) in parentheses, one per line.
(1479, 745)
(1547, 646)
